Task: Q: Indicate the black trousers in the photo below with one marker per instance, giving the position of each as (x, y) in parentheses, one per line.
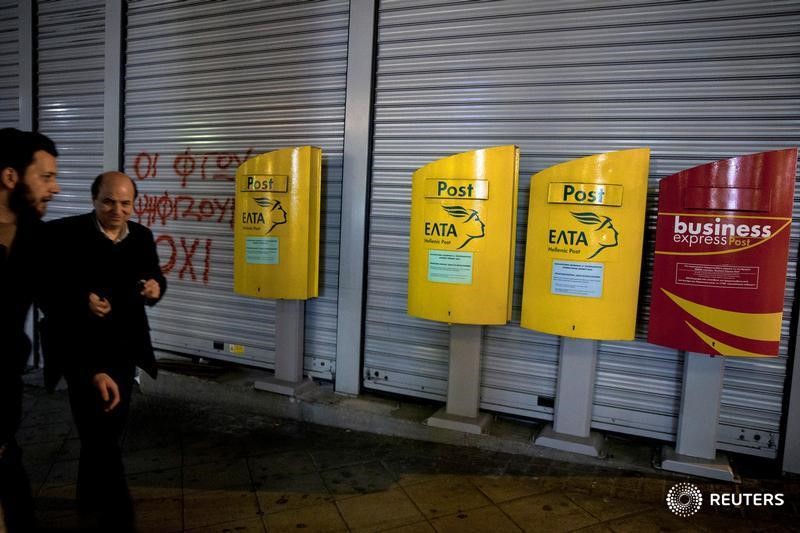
(15, 489)
(103, 493)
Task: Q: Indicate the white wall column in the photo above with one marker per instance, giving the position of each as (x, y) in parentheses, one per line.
(355, 186)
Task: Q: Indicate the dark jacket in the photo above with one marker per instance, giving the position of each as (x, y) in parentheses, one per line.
(17, 279)
(84, 260)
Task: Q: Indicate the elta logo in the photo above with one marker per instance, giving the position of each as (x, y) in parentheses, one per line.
(606, 235)
(277, 215)
(472, 226)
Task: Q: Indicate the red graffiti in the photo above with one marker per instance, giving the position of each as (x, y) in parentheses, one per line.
(186, 165)
(222, 161)
(207, 262)
(167, 267)
(152, 208)
(185, 254)
(146, 165)
(182, 254)
(187, 258)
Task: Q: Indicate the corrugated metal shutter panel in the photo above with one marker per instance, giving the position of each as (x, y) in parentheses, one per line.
(695, 82)
(208, 85)
(70, 96)
(9, 64)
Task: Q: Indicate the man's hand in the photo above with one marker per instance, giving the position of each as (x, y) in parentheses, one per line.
(108, 389)
(150, 289)
(99, 306)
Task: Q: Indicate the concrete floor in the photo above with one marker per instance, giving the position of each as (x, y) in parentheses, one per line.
(196, 463)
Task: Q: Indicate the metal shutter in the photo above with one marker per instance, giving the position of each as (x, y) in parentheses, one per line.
(208, 85)
(9, 64)
(71, 55)
(695, 81)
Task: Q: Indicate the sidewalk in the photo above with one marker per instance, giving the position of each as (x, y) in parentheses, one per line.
(204, 466)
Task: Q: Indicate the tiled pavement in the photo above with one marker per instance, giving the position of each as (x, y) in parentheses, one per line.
(200, 467)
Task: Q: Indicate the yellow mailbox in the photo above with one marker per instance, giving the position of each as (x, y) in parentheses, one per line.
(276, 224)
(584, 246)
(463, 231)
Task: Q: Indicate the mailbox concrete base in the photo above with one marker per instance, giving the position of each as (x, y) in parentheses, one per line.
(287, 388)
(716, 468)
(591, 445)
(475, 425)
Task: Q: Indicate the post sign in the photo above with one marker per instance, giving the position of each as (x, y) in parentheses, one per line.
(276, 224)
(583, 255)
(722, 245)
(463, 228)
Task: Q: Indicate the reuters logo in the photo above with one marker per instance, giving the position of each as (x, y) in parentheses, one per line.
(684, 499)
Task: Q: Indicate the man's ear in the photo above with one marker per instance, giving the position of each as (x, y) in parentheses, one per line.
(9, 178)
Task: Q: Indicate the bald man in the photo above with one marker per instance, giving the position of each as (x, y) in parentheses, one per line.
(96, 333)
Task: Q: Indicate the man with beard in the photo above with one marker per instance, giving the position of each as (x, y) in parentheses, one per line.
(27, 183)
(98, 334)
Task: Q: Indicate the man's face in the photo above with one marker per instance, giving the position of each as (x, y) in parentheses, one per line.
(39, 185)
(114, 202)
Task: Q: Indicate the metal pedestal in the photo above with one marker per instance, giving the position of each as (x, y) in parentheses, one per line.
(463, 385)
(695, 452)
(289, 328)
(572, 419)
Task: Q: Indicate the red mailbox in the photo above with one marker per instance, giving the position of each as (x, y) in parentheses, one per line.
(722, 244)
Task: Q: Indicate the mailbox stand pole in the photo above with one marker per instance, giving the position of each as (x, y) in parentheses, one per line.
(463, 384)
(572, 419)
(289, 333)
(695, 452)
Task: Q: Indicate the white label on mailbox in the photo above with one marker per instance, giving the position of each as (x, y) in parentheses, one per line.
(262, 250)
(577, 278)
(450, 267)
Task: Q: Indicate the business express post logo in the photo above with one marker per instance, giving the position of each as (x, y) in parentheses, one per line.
(686, 499)
(695, 234)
